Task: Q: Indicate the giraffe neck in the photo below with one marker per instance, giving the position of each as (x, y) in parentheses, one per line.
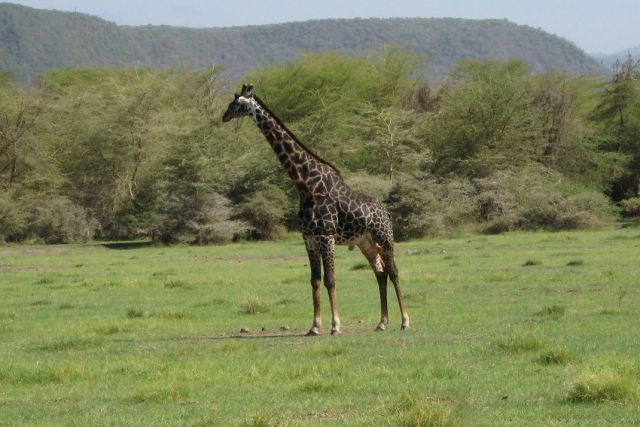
(301, 164)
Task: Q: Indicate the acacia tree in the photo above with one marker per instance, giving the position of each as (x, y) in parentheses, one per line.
(19, 112)
(392, 138)
(109, 129)
(485, 120)
(618, 115)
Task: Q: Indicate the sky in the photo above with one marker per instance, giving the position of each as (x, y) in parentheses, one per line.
(596, 26)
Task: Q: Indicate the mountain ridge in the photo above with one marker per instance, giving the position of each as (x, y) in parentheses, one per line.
(35, 40)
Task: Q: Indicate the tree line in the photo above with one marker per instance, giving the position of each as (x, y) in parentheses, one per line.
(136, 153)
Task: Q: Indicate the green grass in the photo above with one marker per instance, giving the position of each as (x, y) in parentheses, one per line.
(556, 356)
(507, 330)
(604, 387)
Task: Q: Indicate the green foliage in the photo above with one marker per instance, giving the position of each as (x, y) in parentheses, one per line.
(20, 110)
(188, 209)
(137, 153)
(347, 109)
(483, 125)
(535, 198)
(617, 115)
(58, 220)
(631, 207)
(410, 411)
(48, 219)
(264, 211)
(607, 386)
(254, 305)
(13, 222)
(429, 207)
(518, 344)
(556, 356)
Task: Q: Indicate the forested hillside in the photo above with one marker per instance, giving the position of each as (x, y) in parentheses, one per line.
(142, 153)
(32, 41)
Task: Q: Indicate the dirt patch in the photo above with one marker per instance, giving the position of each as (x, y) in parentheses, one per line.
(34, 250)
(241, 259)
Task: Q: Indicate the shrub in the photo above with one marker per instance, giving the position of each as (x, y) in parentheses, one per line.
(414, 209)
(214, 223)
(13, 222)
(58, 220)
(429, 207)
(631, 207)
(534, 198)
(49, 219)
(371, 185)
(265, 211)
(207, 221)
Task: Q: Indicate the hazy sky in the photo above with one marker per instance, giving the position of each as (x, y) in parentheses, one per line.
(605, 26)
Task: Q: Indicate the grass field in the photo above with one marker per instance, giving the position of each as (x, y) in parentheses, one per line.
(518, 329)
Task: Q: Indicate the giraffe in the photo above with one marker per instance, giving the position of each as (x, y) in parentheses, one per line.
(330, 213)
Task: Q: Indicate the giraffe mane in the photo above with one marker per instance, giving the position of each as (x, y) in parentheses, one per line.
(294, 137)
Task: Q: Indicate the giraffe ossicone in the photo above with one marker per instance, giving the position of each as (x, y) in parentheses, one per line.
(330, 213)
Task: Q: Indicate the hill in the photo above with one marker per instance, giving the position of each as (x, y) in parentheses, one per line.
(609, 60)
(33, 40)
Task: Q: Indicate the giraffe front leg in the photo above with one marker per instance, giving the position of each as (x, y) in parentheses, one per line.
(315, 262)
(327, 249)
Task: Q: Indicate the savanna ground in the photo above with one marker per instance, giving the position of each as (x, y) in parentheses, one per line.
(518, 329)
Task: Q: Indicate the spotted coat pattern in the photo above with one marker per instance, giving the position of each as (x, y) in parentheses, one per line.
(330, 212)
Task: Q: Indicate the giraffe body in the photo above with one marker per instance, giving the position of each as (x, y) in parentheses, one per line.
(330, 213)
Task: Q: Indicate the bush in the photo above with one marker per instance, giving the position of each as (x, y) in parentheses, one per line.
(631, 207)
(415, 210)
(371, 185)
(207, 220)
(429, 207)
(13, 222)
(49, 219)
(214, 224)
(58, 220)
(534, 198)
(265, 212)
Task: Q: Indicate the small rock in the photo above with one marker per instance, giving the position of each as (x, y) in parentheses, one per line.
(264, 329)
(244, 330)
(284, 327)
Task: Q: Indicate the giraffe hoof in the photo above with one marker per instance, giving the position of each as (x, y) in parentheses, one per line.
(312, 333)
(380, 327)
(404, 328)
(335, 333)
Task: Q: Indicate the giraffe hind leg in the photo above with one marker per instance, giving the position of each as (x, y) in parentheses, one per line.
(391, 268)
(315, 263)
(371, 252)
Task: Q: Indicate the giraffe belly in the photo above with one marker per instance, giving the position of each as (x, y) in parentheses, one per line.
(351, 236)
(350, 240)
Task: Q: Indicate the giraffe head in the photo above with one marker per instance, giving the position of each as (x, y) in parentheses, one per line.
(242, 104)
